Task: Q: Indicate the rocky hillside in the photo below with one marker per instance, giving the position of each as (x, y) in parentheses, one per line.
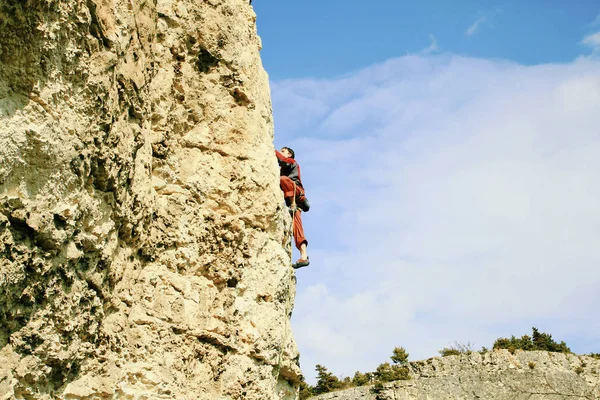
(496, 375)
(143, 243)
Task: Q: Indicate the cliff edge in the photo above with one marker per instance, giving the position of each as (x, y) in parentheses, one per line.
(143, 242)
(495, 375)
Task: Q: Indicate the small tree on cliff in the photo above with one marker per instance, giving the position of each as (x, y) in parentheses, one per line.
(326, 381)
(398, 371)
(306, 390)
(538, 341)
(389, 373)
(399, 356)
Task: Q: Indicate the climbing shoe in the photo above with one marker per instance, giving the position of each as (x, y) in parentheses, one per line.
(301, 263)
(303, 204)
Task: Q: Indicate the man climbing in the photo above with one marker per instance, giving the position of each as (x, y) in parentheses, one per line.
(293, 193)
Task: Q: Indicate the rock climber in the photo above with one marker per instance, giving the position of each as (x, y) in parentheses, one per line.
(294, 195)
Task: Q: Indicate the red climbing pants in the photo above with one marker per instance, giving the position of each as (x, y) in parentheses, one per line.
(287, 185)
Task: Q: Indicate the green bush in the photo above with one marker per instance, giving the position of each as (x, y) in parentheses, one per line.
(346, 383)
(457, 349)
(389, 373)
(449, 351)
(377, 388)
(538, 341)
(361, 379)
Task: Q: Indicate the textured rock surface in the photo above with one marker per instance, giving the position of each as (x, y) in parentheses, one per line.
(497, 375)
(142, 238)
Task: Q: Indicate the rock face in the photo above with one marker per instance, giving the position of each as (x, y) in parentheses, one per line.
(498, 375)
(143, 243)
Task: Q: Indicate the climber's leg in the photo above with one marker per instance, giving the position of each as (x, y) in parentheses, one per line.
(300, 240)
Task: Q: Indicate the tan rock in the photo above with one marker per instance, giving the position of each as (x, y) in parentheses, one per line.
(141, 220)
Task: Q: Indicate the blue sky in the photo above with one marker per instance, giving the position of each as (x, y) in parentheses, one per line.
(451, 156)
(325, 38)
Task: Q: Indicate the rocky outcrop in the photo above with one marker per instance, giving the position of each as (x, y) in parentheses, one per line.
(497, 375)
(143, 243)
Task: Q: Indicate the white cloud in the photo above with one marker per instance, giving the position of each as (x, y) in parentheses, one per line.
(433, 46)
(471, 30)
(592, 41)
(453, 199)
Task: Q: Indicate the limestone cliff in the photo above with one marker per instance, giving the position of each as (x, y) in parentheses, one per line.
(143, 243)
(497, 375)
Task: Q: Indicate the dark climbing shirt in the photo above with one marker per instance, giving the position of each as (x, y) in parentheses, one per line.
(289, 167)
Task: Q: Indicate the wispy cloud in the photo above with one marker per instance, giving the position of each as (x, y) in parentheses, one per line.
(438, 200)
(471, 30)
(433, 46)
(596, 21)
(592, 41)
